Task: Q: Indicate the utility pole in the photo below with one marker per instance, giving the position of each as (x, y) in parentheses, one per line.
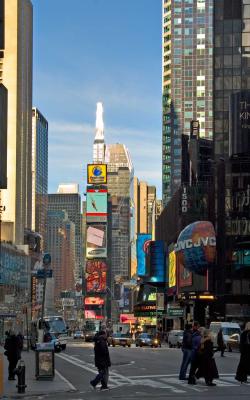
(46, 264)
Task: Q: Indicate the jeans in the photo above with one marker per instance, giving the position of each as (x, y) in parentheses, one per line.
(102, 376)
(186, 359)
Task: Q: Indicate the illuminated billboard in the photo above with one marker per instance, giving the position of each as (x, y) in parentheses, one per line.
(156, 253)
(196, 246)
(185, 276)
(142, 243)
(172, 269)
(97, 202)
(96, 276)
(91, 301)
(96, 241)
(97, 174)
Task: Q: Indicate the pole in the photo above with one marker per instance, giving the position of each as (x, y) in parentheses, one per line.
(156, 303)
(27, 329)
(44, 293)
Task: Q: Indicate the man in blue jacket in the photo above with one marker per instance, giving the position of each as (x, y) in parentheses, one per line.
(196, 340)
(186, 350)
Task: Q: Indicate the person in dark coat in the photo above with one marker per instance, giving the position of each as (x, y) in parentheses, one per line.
(12, 352)
(186, 350)
(102, 360)
(220, 343)
(207, 367)
(243, 369)
(196, 339)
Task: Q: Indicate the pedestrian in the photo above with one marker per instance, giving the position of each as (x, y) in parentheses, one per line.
(20, 339)
(206, 366)
(186, 351)
(196, 339)
(12, 353)
(243, 369)
(102, 360)
(220, 343)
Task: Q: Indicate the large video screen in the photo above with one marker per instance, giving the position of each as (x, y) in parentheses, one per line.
(96, 276)
(96, 205)
(96, 241)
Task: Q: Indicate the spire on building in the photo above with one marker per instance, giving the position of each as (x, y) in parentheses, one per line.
(99, 145)
(99, 125)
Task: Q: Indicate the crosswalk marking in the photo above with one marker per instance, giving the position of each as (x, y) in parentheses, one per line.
(169, 382)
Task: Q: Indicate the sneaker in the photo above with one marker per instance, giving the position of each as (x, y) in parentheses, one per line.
(92, 384)
(104, 388)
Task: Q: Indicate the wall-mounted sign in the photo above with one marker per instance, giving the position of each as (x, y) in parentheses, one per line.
(196, 246)
(184, 203)
(91, 301)
(142, 243)
(172, 269)
(239, 123)
(97, 174)
(175, 312)
(96, 276)
(96, 241)
(96, 205)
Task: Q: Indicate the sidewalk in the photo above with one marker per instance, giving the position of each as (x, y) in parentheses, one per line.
(34, 387)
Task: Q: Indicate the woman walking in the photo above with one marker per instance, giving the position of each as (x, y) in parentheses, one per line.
(207, 367)
(243, 369)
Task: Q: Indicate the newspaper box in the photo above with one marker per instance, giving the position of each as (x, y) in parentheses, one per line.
(45, 361)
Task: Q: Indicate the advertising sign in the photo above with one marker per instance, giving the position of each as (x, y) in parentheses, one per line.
(185, 276)
(239, 123)
(89, 314)
(96, 241)
(96, 276)
(91, 301)
(97, 174)
(175, 312)
(97, 205)
(157, 261)
(142, 244)
(196, 246)
(172, 269)
(127, 319)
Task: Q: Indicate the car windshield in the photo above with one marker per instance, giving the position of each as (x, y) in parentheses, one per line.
(56, 325)
(230, 331)
(124, 335)
(117, 335)
(146, 335)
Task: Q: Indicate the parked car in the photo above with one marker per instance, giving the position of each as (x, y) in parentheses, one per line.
(146, 339)
(119, 339)
(51, 338)
(78, 335)
(175, 338)
(233, 342)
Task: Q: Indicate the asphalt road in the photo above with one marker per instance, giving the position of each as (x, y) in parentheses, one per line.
(144, 373)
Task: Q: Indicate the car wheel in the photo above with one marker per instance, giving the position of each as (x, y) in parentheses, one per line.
(229, 348)
(63, 346)
(140, 345)
(113, 345)
(170, 345)
(129, 345)
(136, 345)
(178, 345)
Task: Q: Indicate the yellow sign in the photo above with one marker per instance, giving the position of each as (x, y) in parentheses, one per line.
(97, 174)
(172, 269)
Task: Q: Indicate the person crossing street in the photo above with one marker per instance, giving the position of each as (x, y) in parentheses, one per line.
(102, 360)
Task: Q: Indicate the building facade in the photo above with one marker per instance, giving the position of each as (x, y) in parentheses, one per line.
(39, 172)
(61, 245)
(187, 80)
(16, 76)
(68, 199)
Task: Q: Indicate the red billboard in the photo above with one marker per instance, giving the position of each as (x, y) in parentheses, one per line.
(96, 276)
(91, 301)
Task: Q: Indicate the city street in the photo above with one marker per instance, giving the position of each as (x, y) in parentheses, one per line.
(143, 373)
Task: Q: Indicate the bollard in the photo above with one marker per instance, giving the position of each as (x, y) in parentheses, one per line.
(20, 372)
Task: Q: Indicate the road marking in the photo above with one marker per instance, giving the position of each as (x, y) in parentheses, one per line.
(72, 387)
(196, 388)
(156, 384)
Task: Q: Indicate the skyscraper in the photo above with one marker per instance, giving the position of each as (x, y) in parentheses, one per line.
(119, 182)
(99, 145)
(61, 246)
(187, 81)
(68, 199)
(39, 172)
(16, 75)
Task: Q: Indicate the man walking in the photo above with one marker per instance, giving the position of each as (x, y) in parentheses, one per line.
(196, 339)
(102, 361)
(186, 350)
(220, 343)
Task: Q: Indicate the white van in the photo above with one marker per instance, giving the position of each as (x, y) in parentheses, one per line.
(228, 329)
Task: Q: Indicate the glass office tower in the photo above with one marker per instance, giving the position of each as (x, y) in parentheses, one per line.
(187, 80)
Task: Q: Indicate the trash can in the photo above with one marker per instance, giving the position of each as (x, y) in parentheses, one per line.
(45, 361)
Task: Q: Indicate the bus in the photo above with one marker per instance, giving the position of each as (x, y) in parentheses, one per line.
(55, 325)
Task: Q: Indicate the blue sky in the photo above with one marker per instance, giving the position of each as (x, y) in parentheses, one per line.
(99, 50)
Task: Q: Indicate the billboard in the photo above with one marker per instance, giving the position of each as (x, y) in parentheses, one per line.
(156, 251)
(239, 123)
(196, 246)
(97, 174)
(185, 276)
(172, 269)
(97, 202)
(96, 241)
(96, 276)
(142, 243)
(92, 301)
